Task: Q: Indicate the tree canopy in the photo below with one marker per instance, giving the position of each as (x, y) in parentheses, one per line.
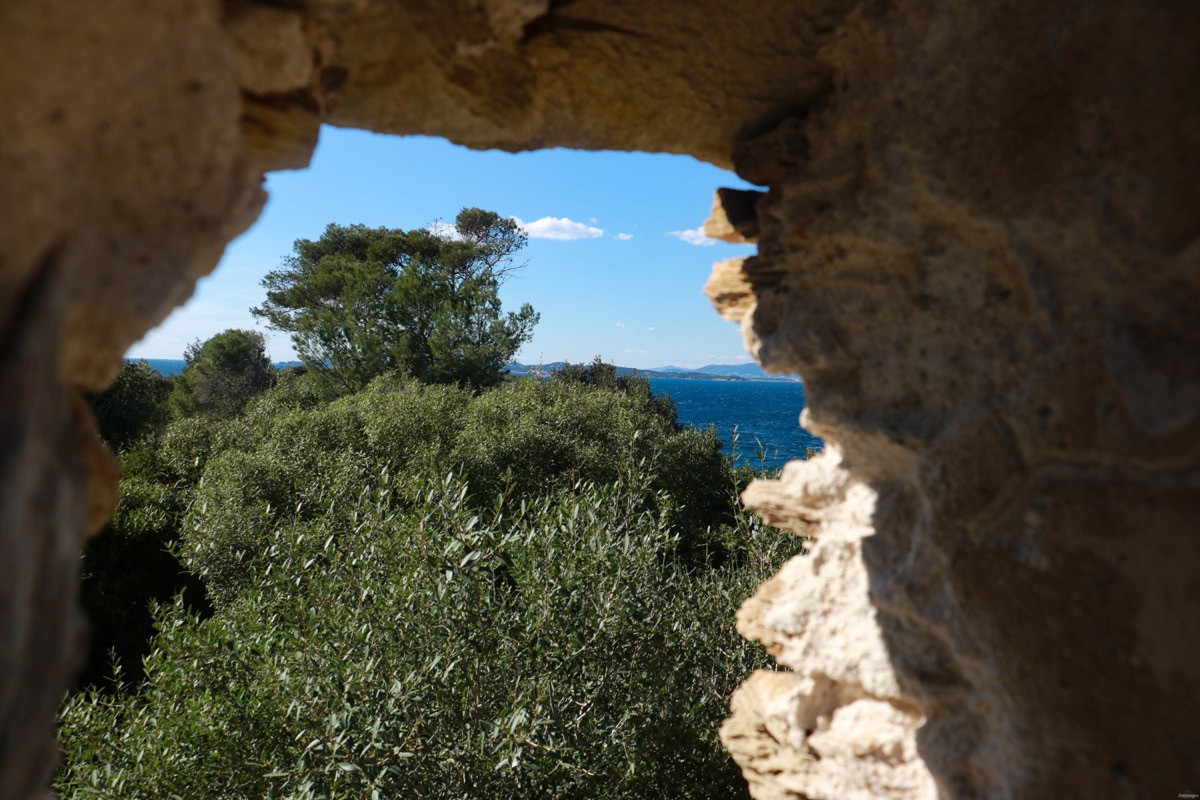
(222, 374)
(361, 301)
(135, 404)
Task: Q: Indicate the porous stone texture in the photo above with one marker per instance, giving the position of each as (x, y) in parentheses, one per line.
(981, 252)
(979, 243)
(122, 176)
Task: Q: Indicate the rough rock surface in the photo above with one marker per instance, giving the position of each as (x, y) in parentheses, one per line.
(979, 244)
(982, 252)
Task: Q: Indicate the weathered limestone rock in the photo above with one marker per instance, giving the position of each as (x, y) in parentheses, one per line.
(518, 74)
(839, 725)
(979, 244)
(987, 268)
(122, 176)
(42, 514)
(734, 216)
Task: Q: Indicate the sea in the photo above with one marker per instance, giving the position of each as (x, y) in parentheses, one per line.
(758, 422)
(165, 366)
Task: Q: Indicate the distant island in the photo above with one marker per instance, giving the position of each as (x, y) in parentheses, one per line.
(712, 372)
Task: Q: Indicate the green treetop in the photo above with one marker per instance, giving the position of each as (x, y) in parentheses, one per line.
(222, 374)
(135, 405)
(361, 301)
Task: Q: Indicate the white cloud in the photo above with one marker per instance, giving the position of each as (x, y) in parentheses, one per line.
(624, 237)
(563, 229)
(620, 324)
(693, 236)
(631, 350)
(651, 329)
(443, 229)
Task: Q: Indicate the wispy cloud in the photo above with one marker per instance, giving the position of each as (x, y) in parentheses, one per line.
(620, 324)
(443, 229)
(651, 329)
(693, 236)
(631, 350)
(562, 229)
(624, 237)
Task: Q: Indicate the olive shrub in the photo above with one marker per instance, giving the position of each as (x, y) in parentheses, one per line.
(407, 644)
(527, 438)
(423, 592)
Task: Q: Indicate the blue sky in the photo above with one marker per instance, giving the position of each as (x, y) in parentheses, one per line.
(616, 265)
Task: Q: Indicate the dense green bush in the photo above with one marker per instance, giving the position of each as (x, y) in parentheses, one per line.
(551, 435)
(406, 644)
(599, 375)
(527, 438)
(129, 564)
(133, 407)
(544, 618)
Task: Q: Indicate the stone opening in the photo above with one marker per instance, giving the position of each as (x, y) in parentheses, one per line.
(591, 216)
(979, 244)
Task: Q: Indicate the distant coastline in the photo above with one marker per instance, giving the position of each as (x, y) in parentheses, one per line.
(711, 372)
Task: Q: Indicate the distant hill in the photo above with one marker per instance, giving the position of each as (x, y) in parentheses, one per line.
(712, 372)
(515, 368)
(750, 371)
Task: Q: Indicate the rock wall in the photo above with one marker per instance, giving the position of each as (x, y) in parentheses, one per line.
(981, 251)
(979, 243)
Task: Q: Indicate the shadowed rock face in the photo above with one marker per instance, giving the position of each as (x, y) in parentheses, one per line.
(979, 243)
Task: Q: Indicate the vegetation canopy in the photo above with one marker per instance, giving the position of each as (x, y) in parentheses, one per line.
(392, 574)
(361, 301)
(134, 406)
(222, 374)
(420, 591)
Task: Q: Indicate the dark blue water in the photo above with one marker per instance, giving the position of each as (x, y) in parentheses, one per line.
(766, 415)
(165, 366)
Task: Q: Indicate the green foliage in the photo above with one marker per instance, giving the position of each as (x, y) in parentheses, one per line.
(420, 591)
(529, 437)
(362, 301)
(134, 406)
(600, 375)
(549, 435)
(407, 644)
(129, 565)
(222, 374)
